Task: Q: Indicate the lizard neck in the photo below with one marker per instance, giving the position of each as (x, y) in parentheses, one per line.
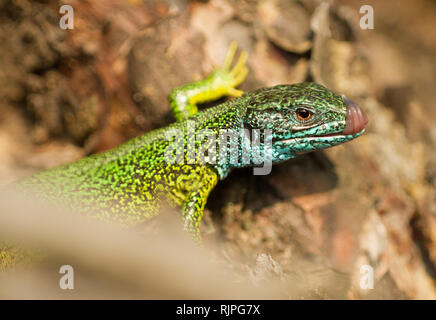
(225, 123)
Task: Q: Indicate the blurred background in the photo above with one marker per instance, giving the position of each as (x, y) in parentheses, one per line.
(314, 221)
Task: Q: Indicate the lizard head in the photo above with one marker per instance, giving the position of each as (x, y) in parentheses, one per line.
(304, 117)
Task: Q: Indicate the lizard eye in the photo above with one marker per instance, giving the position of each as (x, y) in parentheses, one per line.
(303, 114)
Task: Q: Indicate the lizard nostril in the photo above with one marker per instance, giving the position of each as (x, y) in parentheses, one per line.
(356, 119)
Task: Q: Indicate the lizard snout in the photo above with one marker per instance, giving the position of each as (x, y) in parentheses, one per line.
(356, 119)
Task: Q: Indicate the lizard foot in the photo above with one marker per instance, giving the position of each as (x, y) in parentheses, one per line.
(226, 79)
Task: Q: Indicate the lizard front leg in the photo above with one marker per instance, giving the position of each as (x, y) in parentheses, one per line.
(221, 82)
(196, 185)
(192, 213)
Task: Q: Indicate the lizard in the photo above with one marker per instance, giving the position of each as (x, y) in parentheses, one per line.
(130, 182)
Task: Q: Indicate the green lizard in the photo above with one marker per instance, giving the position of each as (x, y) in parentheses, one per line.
(130, 182)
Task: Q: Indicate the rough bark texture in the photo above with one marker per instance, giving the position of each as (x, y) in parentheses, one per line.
(313, 221)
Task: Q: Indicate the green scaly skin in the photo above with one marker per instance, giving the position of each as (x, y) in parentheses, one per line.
(130, 183)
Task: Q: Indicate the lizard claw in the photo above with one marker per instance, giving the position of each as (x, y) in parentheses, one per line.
(231, 78)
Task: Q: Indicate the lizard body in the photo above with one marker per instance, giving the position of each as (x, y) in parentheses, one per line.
(130, 182)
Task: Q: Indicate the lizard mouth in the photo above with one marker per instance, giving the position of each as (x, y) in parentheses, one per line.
(356, 119)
